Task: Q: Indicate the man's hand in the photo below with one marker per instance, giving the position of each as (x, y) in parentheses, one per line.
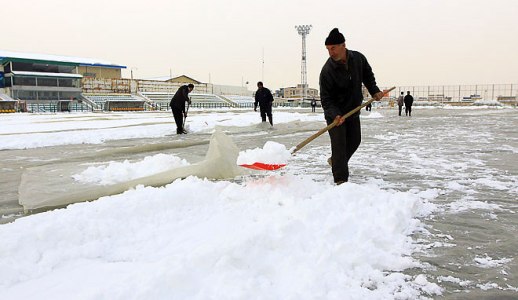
(338, 120)
(379, 95)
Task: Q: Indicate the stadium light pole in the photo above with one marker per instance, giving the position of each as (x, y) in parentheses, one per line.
(303, 30)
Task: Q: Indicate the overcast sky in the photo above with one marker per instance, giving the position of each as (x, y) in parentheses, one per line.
(407, 42)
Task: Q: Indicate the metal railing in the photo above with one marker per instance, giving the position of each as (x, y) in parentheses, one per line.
(505, 93)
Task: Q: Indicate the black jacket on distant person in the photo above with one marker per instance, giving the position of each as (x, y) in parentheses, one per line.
(409, 100)
(180, 97)
(264, 98)
(341, 84)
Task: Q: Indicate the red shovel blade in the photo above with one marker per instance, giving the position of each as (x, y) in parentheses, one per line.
(263, 166)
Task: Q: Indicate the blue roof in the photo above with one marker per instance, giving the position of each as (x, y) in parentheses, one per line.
(103, 65)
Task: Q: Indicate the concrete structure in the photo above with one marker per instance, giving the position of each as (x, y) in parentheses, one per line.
(298, 92)
(54, 83)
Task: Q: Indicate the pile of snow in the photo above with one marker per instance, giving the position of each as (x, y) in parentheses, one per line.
(372, 115)
(115, 172)
(271, 238)
(271, 153)
(22, 131)
(488, 262)
(487, 103)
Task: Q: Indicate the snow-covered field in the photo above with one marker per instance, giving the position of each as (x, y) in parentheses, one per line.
(289, 234)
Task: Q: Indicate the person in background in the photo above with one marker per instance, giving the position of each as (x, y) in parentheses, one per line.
(264, 98)
(177, 105)
(313, 105)
(368, 107)
(341, 81)
(409, 100)
(400, 102)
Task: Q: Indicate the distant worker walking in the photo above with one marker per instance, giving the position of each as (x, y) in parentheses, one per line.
(313, 105)
(341, 81)
(177, 105)
(409, 100)
(264, 98)
(400, 102)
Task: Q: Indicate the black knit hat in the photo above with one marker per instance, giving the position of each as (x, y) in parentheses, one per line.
(335, 37)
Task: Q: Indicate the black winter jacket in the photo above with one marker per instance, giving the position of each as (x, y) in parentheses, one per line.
(341, 84)
(409, 100)
(180, 97)
(264, 98)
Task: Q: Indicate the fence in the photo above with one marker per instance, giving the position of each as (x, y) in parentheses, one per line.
(458, 93)
(52, 107)
(505, 93)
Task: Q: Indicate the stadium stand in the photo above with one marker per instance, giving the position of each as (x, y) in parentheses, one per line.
(117, 102)
(7, 104)
(197, 100)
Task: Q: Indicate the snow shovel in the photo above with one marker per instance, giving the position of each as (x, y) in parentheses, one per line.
(186, 111)
(271, 167)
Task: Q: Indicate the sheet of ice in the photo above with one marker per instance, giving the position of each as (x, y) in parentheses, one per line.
(59, 188)
(271, 153)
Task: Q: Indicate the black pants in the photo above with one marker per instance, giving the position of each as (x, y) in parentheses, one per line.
(408, 110)
(345, 139)
(178, 119)
(267, 111)
(400, 108)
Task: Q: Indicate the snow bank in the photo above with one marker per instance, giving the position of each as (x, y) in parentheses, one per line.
(273, 238)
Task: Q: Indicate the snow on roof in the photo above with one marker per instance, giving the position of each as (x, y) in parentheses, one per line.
(26, 73)
(57, 58)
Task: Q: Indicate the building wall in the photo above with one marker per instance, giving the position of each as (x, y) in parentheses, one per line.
(132, 86)
(231, 90)
(104, 85)
(296, 92)
(100, 72)
(170, 87)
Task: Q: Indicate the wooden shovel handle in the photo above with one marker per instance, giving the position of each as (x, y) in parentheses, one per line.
(335, 122)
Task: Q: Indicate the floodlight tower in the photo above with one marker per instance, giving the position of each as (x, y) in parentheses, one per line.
(303, 30)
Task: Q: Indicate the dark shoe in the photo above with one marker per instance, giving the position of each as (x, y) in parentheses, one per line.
(340, 182)
(184, 131)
